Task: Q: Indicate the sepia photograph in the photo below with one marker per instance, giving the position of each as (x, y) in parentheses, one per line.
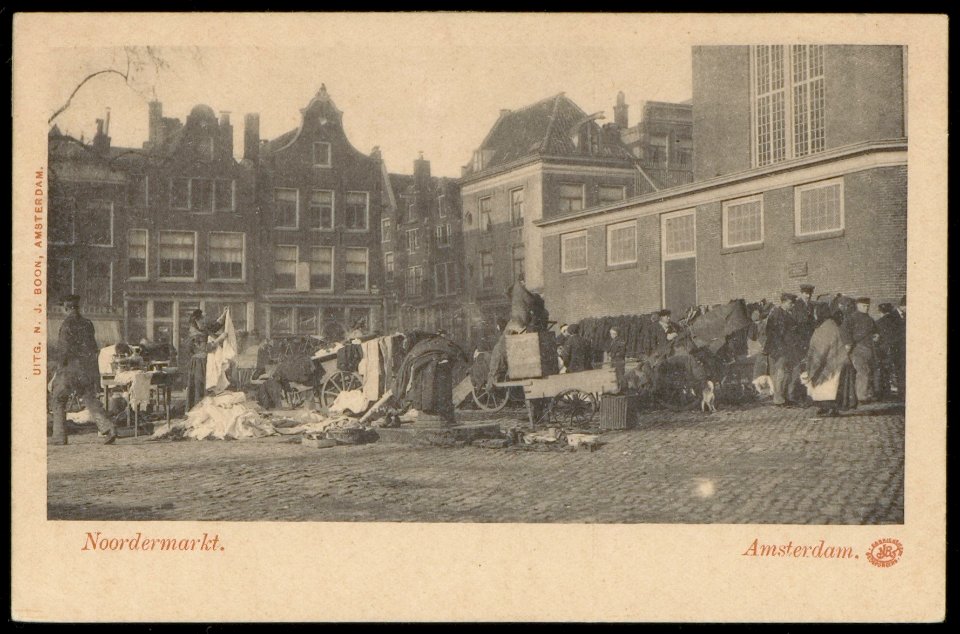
(627, 282)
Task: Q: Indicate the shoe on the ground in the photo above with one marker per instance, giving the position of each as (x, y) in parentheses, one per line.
(110, 438)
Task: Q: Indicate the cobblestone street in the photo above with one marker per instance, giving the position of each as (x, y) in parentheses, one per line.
(752, 465)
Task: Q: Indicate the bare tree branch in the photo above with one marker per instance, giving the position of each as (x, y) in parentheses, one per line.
(66, 105)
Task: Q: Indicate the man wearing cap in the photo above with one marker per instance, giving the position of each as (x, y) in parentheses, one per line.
(659, 337)
(782, 349)
(859, 334)
(78, 373)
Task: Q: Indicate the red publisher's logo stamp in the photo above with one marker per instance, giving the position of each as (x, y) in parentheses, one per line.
(885, 552)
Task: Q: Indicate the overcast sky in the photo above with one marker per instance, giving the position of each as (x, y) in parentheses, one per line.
(441, 100)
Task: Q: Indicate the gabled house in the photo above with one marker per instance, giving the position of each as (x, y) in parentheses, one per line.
(423, 253)
(320, 202)
(538, 162)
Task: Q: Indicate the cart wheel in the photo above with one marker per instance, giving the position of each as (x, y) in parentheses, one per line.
(337, 382)
(573, 408)
(491, 398)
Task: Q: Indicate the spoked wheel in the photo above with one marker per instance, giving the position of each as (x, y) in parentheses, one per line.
(491, 398)
(573, 408)
(337, 382)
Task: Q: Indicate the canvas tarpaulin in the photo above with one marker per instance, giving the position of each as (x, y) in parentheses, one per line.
(712, 328)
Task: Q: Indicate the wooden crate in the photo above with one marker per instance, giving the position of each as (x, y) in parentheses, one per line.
(531, 355)
(619, 412)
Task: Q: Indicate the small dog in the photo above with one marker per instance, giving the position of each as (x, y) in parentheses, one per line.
(763, 385)
(709, 397)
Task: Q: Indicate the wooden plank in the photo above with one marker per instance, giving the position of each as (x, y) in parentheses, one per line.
(462, 390)
(602, 380)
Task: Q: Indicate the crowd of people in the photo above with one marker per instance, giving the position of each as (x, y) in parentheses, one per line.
(831, 352)
(827, 351)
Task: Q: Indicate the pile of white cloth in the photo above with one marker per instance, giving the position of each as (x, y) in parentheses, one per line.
(227, 415)
(355, 401)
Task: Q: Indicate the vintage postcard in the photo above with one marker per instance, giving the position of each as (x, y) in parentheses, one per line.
(479, 317)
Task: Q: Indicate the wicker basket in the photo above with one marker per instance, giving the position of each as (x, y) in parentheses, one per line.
(351, 436)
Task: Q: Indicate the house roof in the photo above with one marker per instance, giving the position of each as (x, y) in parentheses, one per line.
(542, 128)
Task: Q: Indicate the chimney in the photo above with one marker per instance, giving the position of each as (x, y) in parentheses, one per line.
(226, 133)
(106, 126)
(155, 124)
(251, 137)
(101, 142)
(421, 173)
(620, 111)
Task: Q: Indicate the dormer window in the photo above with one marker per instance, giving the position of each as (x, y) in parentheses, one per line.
(321, 154)
(478, 160)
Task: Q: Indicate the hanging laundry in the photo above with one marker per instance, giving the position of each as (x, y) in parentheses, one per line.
(222, 358)
(370, 369)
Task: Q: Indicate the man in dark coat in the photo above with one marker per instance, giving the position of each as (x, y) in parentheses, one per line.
(577, 354)
(891, 351)
(804, 313)
(78, 373)
(859, 333)
(659, 336)
(782, 349)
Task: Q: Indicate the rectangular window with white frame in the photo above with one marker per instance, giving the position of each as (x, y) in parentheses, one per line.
(357, 211)
(743, 222)
(386, 230)
(573, 252)
(356, 272)
(441, 206)
(286, 204)
(414, 281)
(320, 210)
(285, 258)
(321, 154)
(516, 207)
(138, 254)
(413, 240)
(178, 255)
(679, 235)
(818, 208)
(96, 226)
(321, 268)
(485, 211)
(225, 256)
(622, 243)
(443, 235)
(486, 270)
(388, 266)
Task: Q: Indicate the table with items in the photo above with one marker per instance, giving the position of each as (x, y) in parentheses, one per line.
(150, 386)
